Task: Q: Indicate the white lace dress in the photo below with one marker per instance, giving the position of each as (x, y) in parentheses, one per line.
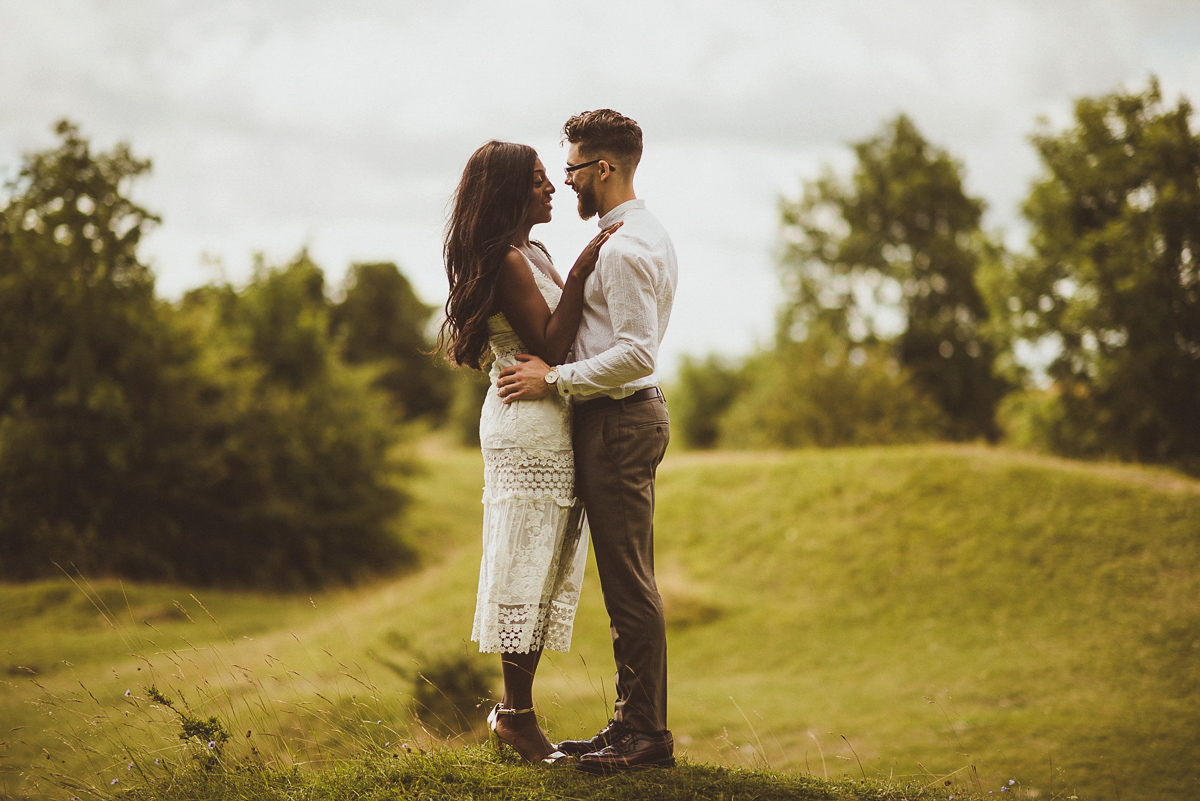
(534, 534)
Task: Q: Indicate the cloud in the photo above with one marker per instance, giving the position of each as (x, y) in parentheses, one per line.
(343, 126)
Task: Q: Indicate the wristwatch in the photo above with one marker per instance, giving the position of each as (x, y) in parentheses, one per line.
(552, 376)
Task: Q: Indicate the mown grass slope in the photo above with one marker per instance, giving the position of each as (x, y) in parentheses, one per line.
(922, 614)
(944, 606)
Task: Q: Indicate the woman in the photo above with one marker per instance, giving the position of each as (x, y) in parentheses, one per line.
(506, 298)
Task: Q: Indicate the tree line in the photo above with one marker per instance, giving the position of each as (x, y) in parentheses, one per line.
(255, 435)
(903, 320)
(245, 435)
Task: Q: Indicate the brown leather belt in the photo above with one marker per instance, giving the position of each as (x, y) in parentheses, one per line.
(604, 402)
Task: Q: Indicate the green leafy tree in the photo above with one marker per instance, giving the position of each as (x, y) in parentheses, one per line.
(219, 441)
(285, 314)
(891, 256)
(303, 468)
(1113, 280)
(704, 391)
(381, 321)
(78, 360)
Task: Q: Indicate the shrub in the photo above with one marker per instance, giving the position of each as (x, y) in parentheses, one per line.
(450, 690)
(827, 393)
(704, 392)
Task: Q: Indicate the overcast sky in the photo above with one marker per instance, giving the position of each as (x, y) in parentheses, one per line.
(343, 126)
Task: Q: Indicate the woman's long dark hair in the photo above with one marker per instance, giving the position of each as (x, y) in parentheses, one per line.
(490, 204)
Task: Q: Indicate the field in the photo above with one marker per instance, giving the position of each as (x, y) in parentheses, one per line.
(930, 613)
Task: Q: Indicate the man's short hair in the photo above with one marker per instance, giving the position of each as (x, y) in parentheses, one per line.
(606, 132)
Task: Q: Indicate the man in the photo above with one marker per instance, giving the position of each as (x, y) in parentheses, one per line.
(621, 429)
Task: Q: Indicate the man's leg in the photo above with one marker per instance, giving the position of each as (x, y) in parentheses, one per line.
(617, 452)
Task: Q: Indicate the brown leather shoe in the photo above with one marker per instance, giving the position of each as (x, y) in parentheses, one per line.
(634, 750)
(609, 734)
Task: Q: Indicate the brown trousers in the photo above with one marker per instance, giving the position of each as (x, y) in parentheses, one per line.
(618, 447)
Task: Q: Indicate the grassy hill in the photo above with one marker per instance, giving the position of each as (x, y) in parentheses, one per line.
(918, 614)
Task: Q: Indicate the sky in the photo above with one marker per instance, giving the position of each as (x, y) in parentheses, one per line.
(343, 126)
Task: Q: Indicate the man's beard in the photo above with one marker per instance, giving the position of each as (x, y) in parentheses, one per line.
(588, 208)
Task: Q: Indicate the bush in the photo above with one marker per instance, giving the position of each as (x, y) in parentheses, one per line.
(827, 393)
(290, 458)
(704, 392)
(450, 691)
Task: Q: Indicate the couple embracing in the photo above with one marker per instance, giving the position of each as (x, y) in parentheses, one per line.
(572, 429)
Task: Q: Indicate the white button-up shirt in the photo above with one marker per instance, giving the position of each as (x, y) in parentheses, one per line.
(627, 304)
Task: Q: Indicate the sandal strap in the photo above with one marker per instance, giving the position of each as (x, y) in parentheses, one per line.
(555, 757)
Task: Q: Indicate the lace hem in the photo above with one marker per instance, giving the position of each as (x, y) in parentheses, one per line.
(531, 570)
(531, 497)
(520, 629)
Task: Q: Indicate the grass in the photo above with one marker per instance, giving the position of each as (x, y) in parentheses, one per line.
(908, 616)
(940, 604)
(476, 773)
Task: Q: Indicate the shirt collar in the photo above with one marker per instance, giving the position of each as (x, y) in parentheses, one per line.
(620, 211)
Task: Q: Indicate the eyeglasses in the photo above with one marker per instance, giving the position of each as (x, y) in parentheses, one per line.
(570, 168)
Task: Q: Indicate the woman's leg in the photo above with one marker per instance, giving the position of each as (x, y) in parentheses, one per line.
(521, 731)
(518, 671)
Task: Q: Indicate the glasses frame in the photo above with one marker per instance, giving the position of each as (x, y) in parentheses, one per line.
(570, 168)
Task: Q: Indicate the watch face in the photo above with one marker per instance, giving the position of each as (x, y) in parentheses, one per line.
(552, 376)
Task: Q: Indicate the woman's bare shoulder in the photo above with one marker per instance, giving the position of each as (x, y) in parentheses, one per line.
(516, 272)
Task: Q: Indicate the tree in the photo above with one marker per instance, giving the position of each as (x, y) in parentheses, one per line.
(220, 441)
(1113, 279)
(78, 362)
(302, 472)
(381, 321)
(891, 256)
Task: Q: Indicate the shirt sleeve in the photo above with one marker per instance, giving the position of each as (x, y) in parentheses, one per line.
(629, 290)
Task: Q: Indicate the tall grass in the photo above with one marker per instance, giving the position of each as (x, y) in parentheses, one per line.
(312, 735)
(294, 680)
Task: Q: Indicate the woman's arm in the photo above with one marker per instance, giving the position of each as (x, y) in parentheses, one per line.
(545, 334)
